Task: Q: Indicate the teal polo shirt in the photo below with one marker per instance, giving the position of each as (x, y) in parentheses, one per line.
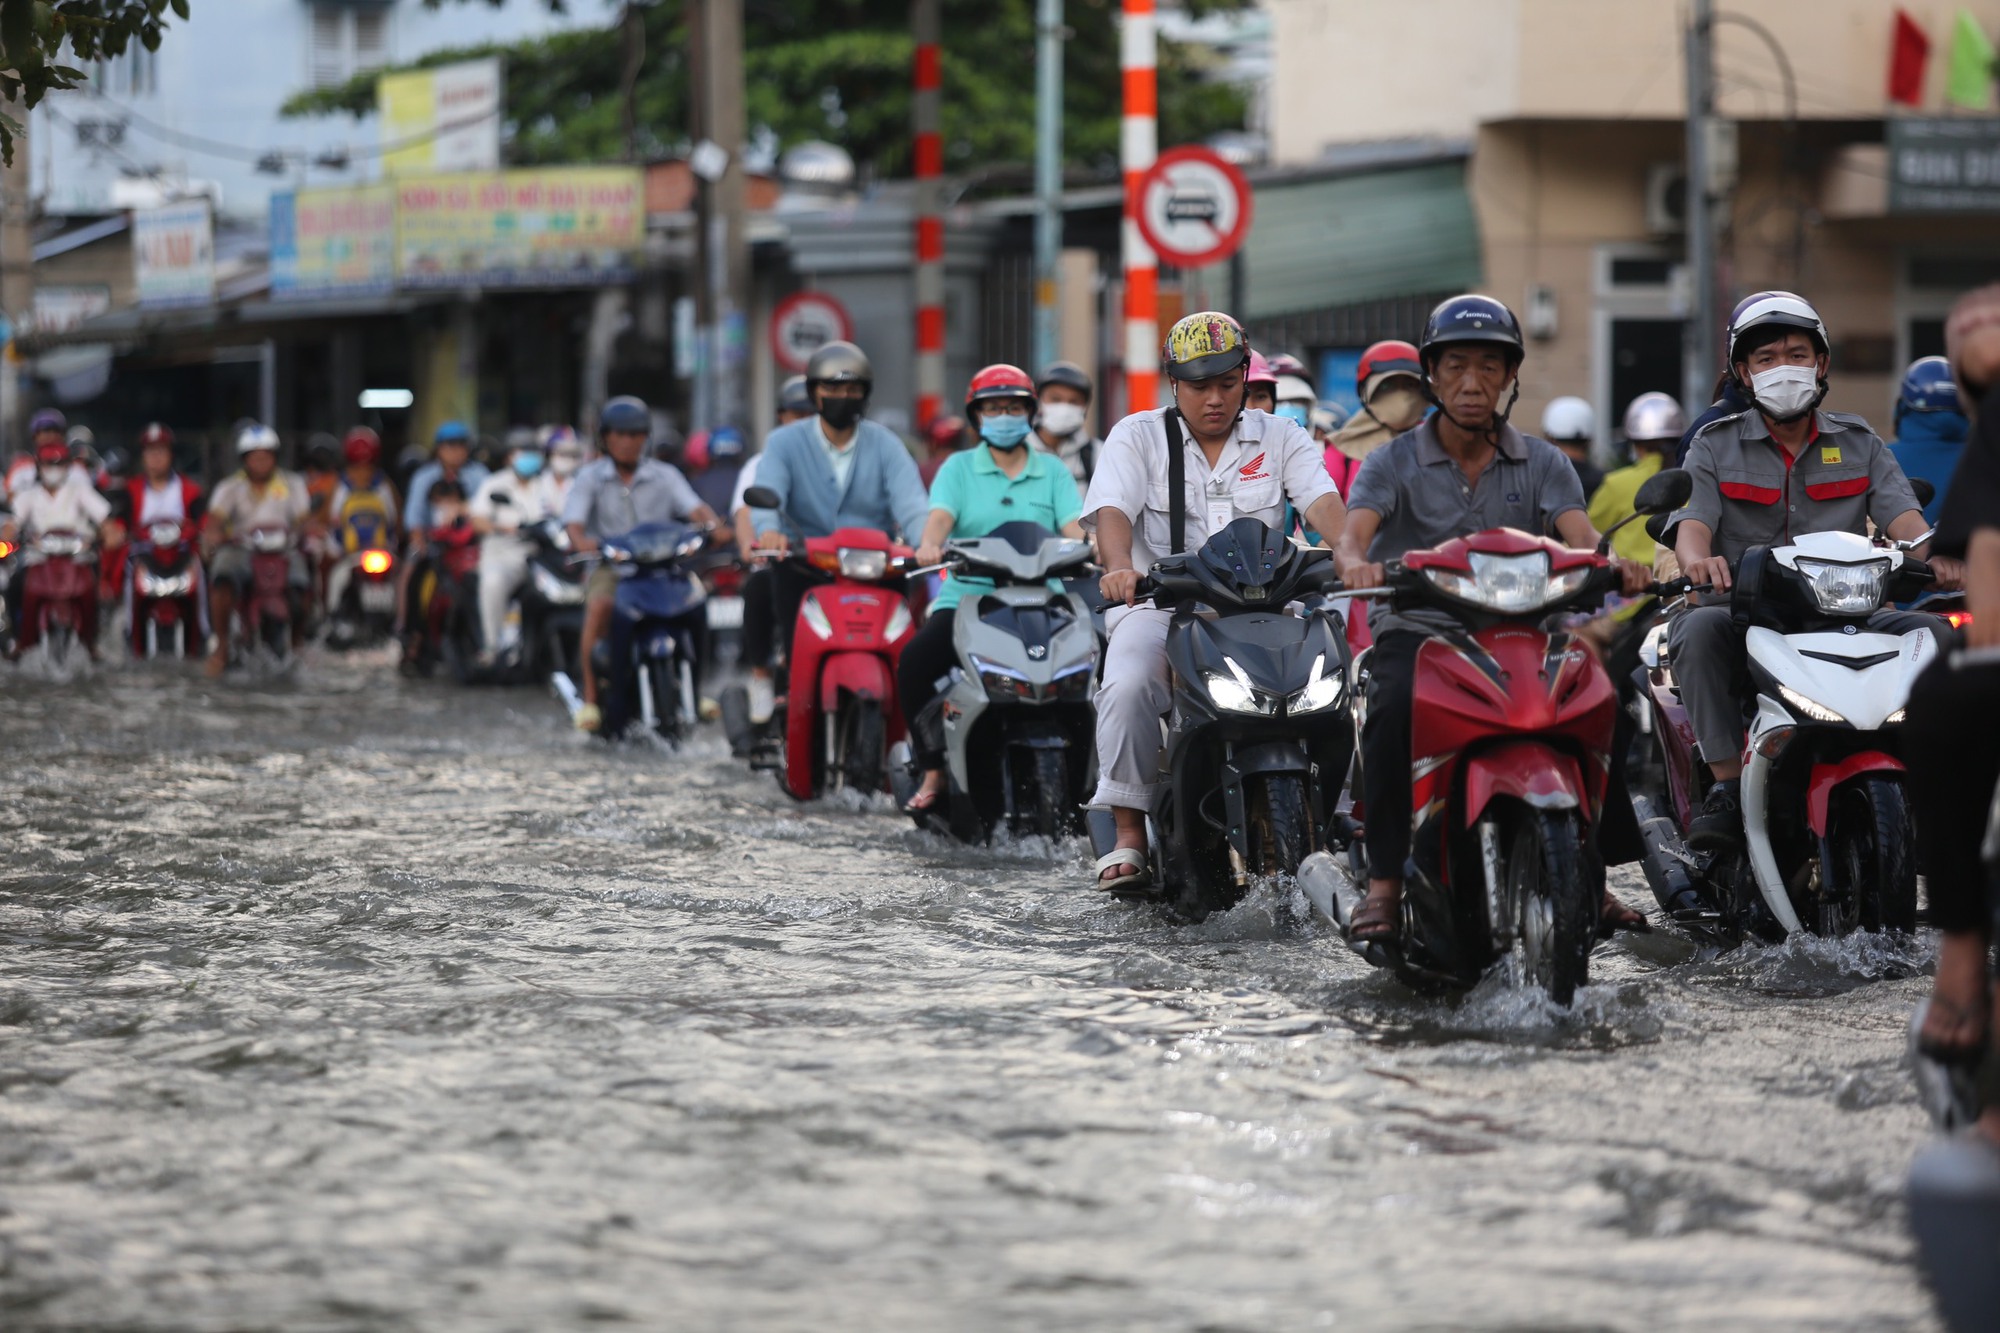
(980, 497)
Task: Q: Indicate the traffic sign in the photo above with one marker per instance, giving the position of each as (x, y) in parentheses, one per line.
(1193, 208)
(803, 323)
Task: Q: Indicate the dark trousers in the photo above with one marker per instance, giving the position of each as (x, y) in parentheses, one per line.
(1951, 741)
(926, 659)
(768, 618)
(1385, 751)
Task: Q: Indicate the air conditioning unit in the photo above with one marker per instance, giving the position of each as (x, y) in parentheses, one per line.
(1666, 199)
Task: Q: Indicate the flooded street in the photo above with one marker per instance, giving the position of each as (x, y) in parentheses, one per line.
(356, 1003)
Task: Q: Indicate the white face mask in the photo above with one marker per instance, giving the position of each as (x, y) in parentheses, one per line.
(1786, 392)
(1061, 418)
(563, 464)
(54, 474)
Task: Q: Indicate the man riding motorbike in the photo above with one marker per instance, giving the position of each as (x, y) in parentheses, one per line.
(838, 470)
(47, 426)
(1777, 470)
(161, 494)
(1465, 470)
(1653, 425)
(1241, 463)
(976, 492)
(1388, 382)
(52, 502)
(1062, 418)
(258, 496)
(612, 496)
(1931, 428)
(451, 460)
(506, 502)
(1570, 424)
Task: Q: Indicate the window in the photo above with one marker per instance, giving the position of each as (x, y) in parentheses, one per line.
(346, 40)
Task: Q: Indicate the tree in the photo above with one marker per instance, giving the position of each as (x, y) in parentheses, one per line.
(34, 34)
(837, 70)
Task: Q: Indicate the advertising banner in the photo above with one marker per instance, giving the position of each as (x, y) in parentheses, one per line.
(333, 242)
(442, 119)
(173, 254)
(555, 226)
(1944, 166)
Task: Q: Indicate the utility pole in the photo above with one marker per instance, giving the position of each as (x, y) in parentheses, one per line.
(721, 249)
(1699, 361)
(17, 281)
(1139, 143)
(1048, 179)
(927, 141)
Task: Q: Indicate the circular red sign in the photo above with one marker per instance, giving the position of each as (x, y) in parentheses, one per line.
(803, 323)
(1192, 207)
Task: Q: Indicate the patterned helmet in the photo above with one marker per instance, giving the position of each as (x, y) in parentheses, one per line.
(1204, 345)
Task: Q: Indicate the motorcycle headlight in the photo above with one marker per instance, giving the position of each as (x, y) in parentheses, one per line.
(1002, 682)
(1847, 590)
(1320, 690)
(555, 591)
(1510, 584)
(1073, 682)
(863, 566)
(164, 534)
(1808, 709)
(170, 585)
(60, 543)
(691, 543)
(814, 615)
(1233, 692)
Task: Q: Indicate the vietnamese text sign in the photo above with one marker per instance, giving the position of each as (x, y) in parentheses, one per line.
(1944, 166)
(546, 227)
(62, 307)
(443, 119)
(173, 254)
(333, 242)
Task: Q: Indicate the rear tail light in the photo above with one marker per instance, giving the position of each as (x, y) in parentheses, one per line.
(1958, 619)
(376, 562)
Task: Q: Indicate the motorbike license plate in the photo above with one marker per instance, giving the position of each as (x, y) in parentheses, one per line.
(378, 597)
(725, 613)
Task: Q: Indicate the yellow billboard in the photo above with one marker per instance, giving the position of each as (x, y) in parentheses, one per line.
(442, 119)
(532, 227)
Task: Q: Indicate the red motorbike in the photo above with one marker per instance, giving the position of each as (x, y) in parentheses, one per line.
(59, 596)
(163, 591)
(266, 611)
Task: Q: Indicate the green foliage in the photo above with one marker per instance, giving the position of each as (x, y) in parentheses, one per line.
(35, 34)
(838, 70)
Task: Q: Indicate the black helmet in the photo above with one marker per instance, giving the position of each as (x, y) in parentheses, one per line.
(793, 396)
(840, 362)
(1471, 319)
(323, 451)
(626, 413)
(1067, 373)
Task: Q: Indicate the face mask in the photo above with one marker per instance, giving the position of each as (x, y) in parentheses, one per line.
(527, 464)
(1298, 412)
(447, 516)
(1786, 392)
(563, 464)
(1004, 432)
(1397, 408)
(840, 413)
(1062, 418)
(54, 474)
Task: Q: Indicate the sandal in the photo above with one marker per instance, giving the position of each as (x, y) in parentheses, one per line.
(921, 802)
(1376, 919)
(1134, 857)
(1615, 916)
(1956, 1053)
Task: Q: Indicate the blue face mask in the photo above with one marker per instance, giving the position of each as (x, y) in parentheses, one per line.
(527, 463)
(1295, 412)
(1004, 432)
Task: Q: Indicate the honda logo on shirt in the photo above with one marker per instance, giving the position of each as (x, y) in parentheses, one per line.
(1253, 470)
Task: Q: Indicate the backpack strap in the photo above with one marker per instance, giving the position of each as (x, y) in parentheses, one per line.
(1176, 480)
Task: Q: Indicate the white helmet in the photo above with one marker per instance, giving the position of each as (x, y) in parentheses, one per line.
(1653, 417)
(1292, 389)
(1569, 419)
(253, 437)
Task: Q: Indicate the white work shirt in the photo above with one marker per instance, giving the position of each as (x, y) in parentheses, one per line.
(67, 508)
(840, 458)
(746, 477)
(162, 504)
(526, 503)
(1266, 461)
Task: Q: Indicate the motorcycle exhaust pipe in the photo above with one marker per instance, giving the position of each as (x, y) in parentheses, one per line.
(1667, 865)
(567, 692)
(1335, 895)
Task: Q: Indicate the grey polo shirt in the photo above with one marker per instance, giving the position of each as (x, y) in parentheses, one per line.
(1749, 494)
(607, 507)
(1423, 499)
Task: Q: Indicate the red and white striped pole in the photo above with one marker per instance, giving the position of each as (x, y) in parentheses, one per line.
(929, 151)
(1139, 144)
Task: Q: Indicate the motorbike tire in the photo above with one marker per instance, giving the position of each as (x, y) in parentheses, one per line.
(1053, 812)
(1874, 852)
(863, 743)
(663, 677)
(1555, 905)
(277, 637)
(57, 638)
(1284, 821)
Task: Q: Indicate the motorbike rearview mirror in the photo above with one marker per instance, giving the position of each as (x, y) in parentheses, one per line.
(1926, 490)
(763, 497)
(1664, 492)
(1656, 527)
(1912, 543)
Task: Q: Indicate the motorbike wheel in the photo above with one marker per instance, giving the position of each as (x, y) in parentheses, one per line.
(277, 637)
(665, 682)
(862, 743)
(1284, 823)
(58, 638)
(1555, 907)
(1053, 817)
(1874, 847)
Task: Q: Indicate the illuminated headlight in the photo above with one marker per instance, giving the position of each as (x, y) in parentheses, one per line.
(1806, 708)
(60, 543)
(1002, 682)
(164, 534)
(1510, 584)
(1073, 682)
(1232, 693)
(899, 621)
(1894, 718)
(557, 592)
(814, 615)
(1846, 590)
(863, 566)
(170, 585)
(1320, 690)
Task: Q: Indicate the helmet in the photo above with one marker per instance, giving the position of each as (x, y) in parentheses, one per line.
(1569, 419)
(560, 440)
(999, 381)
(323, 451)
(946, 432)
(725, 445)
(1066, 373)
(1388, 357)
(82, 442)
(625, 413)
(362, 445)
(1928, 387)
(1260, 371)
(453, 432)
(1293, 389)
(255, 436)
(1328, 417)
(1470, 319)
(693, 455)
(794, 396)
(156, 434)
(1772, 310)
(840, 362)
(1204, 345)
(1284, 363)
(47, 419)
(1654, 416)
(114, 462)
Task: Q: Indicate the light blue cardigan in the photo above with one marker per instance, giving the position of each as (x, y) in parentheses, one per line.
(884, 492)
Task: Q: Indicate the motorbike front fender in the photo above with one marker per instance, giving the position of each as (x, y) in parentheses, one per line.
(1527, 771)
(865, 675)
(1826, 777)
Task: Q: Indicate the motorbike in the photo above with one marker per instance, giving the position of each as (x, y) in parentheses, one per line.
(647, 666)
(544, 624)
(59, 594)
(1829, 844)
(722, 574)
(450, 601)
(165, 589)
(841, 715)
(1511, 735)
(1015, 724)
(1258, 739)
(9, 571)
(362, 592)
(264, 616)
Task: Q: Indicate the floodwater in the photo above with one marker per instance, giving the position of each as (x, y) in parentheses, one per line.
(346, 1002)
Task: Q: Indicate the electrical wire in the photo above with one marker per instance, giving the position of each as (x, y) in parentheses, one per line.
(241, 153)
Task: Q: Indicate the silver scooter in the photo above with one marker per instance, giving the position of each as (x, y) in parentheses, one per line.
(1016, 721)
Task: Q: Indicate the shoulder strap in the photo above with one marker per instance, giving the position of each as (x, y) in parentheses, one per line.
(1176, 479)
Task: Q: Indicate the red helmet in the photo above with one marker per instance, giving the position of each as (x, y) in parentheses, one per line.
(1391, 356)
(945, 432)
(362, 445)
(52, 451)
(999, 381)
(156, 434)
(1260, 371)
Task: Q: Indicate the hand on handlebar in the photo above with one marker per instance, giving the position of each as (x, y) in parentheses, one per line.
(1947, 574)
(930, 553)
(1364, 574)
(774, 541)
(1119, 585)
(1713, 571)
(1637, 579)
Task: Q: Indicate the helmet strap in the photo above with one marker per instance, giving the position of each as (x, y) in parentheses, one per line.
(1494, 425)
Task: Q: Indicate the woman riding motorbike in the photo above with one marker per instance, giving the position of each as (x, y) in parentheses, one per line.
(976, 491)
